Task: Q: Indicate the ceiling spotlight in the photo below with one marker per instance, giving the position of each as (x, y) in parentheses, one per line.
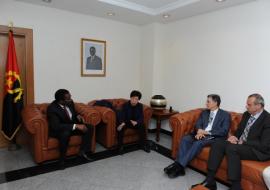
(219, 1)
(110, 14)
(166, 16)
(47, 1)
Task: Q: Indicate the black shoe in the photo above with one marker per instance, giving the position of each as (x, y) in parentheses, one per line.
(120, 150)
(84, 156)
(176, 171)
(61, 164)
(146, 148)
(210, 186)
(166, 170)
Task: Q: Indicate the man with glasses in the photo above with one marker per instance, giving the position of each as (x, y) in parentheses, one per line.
(212, 124)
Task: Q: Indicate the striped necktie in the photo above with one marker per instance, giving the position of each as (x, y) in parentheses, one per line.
(67, 113)
(244, 135)
(211, 117)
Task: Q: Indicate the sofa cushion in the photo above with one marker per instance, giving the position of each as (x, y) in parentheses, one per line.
(53, 143)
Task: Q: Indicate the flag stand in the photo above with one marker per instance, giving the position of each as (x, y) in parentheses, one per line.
(13, 146)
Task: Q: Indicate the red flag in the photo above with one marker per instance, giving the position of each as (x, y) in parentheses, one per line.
(13, 94)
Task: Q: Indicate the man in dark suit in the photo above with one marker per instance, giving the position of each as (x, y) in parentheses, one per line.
(131, 117)
(65, 122)
(212, 124)
(93, 61)
(251, 141)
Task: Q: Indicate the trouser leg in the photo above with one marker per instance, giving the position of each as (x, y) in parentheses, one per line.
(184, 145)
(234, 154)
(63, 138)
(195, 149)
(216, 155)
(86, 139)
(120, 136)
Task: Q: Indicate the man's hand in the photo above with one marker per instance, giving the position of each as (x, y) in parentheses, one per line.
(81, 127)
(240, 142)
(119, 128)
(80, 119)
(133, 122)
(233, 139)
(199, 136)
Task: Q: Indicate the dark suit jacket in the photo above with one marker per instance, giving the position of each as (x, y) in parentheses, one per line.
(95, 64)
(220, 127)
(258, 136)
(58, 118)
(126, 113)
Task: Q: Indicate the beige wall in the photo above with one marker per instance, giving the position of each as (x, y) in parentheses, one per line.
(57, 37)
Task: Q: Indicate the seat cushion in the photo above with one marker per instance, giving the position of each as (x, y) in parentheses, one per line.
(53, 143)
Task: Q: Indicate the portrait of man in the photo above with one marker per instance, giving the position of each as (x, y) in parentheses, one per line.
(93, 62)
(93, 57)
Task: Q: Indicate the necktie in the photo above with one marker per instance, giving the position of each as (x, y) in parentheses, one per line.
(66, 111)
(244, 135)
(211, 117)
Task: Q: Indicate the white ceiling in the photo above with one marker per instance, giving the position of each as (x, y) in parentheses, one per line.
(140, 12)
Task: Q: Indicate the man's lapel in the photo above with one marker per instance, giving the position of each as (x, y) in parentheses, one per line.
(217, 117)
(257, 123)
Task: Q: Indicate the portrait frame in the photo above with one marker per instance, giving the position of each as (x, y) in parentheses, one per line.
(93, 58)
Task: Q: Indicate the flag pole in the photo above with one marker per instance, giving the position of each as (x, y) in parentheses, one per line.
(13, 146)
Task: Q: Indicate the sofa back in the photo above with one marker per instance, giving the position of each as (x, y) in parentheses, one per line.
(117, 103)
(191, 117)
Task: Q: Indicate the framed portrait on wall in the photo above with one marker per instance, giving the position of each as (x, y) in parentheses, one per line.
(93, 58)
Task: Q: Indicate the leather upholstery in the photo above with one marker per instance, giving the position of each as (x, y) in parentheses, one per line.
(44, 147)
(106, 132)
(183, 123)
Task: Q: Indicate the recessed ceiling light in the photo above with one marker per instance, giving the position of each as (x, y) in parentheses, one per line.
(166, 16)
(219, 1)
(47, 1)
(110, 14)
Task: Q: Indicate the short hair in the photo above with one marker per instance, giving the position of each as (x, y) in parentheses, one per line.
(60, 94)
(136, 93)
(215, 98)
(258, 99)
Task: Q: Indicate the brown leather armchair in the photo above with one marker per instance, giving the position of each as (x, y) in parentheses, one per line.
(183, 123)
(106, 132)
(44, 147)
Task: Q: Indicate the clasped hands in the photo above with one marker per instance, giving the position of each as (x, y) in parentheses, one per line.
(81, 127)
(119, 128)
(234, 140)
(201, 134)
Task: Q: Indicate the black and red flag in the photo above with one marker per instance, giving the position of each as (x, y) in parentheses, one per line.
(13, 94)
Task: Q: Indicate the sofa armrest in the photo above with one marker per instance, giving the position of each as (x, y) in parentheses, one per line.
(36, 124)
(147, 114)
(89, 114)
(182, 124)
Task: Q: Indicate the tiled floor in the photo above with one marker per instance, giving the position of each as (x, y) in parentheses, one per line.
(135, 170)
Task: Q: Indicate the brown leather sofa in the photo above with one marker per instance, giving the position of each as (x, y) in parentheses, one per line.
(44, 147)
(106, 132)
(183, 123)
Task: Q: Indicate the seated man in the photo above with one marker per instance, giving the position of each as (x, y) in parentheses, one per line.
(266, 176)
(251, 141)
(65, 122)
(131, 117)
(212, 124)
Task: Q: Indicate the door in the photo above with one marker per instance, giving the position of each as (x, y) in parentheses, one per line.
(23, 39)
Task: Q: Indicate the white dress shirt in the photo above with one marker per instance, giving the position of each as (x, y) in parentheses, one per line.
(210, 124)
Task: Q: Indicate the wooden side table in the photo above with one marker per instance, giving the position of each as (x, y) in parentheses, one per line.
(160, 115)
